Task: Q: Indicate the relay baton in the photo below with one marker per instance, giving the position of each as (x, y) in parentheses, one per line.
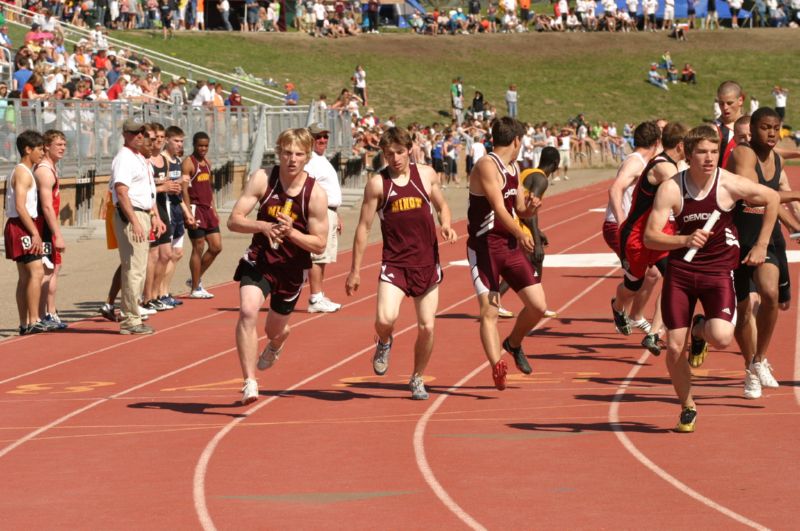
(710, 222)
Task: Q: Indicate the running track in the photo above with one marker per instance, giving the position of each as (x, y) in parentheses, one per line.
(101, 431)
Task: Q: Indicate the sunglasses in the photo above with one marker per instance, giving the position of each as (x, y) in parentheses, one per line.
(318, 137)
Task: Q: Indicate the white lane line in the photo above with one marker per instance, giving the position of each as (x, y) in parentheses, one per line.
(422, 424)
(199, 482)
(613, 418)
(103, 400)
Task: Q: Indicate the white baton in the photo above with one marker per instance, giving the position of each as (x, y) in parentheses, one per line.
(710, 222)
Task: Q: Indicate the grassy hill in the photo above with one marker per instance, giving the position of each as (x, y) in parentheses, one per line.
(557, 75)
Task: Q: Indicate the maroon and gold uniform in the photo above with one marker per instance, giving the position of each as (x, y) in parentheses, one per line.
(18, 241)
(201, 195)
(410, 257)
(492, 251)
(280, 271)
(709, 276)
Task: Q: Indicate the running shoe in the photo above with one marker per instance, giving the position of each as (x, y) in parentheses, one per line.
(764, 371)
(143, 310)
(499, 372)
(268, 357)
(687, 420)
(200, 293)
(642, 324)
(621, 321)
(550, 314)
(155, 305)
(520, 360)
(503, 313)
(417, 386)
(323, 305)
(107, 311)
(48, 324)
(652, 343)
(35, 328)
(698, 348)
(172, 300)
(169, 301)
(380, 360)
(137, 330)
(54, 321)
(752, 385)
(249, 392)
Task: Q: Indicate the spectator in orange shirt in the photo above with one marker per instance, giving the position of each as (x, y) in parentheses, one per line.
(524, 12)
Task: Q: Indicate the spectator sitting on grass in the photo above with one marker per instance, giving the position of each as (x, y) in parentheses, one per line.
(672, 74)
(654, 78)
(688, 75)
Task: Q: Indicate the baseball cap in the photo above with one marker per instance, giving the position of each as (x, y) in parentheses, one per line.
(234, 90)
(132, 125)
(317, 129)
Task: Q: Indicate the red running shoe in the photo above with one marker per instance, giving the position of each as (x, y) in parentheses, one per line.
(499, 374)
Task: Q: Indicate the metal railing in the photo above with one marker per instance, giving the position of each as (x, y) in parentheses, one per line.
(169, 65)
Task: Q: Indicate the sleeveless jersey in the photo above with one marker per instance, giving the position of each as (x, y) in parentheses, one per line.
(200, 191)
(174, 174)
(56, 191)
(644, 194)
(288, 255)
(159, 176)
(720, 255)
(31, 198)
(407, 225)
(749, 219)
(480, 216)
(726, 144)
(627, 195)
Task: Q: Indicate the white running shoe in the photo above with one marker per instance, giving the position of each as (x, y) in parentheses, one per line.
(752, 385)
(504, 313)
(550, 314)
(268, 357)
(146, 311)
(417, 386)
(323, 305)
(642, 324)
(764, 371)
(200, 293)
(249, 392)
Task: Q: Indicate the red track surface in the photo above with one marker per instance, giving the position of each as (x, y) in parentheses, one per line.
(101, 431)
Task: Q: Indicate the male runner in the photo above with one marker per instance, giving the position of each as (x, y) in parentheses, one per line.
(198, 192)
(497, 246)
(730, 98)
(279, 256)
(535, 182)
(646, 143)
(692, 196)
(47, 182)
(404, 195)
(758, 162)
(635, 257)
(179, 214)
(22, 236)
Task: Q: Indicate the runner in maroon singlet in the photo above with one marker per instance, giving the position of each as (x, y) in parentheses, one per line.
(47, 182)
(497, 246)
(198, 192)
(279, 256)
(637, 260)
(692, 196)
(22, 233)
(404, 195)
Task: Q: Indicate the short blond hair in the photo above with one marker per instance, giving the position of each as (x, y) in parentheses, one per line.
(697, 135)
(299, 136)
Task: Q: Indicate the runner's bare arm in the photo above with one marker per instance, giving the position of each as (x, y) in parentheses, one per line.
(667, 200)
(787, 153)
(793, 206)
(187, 170)
(439, 203)
(373, 197)
(536, 184)
(755, 194)
(743, 162)
(44, 182)
(626, 176)
(663, 172)
(254, 190)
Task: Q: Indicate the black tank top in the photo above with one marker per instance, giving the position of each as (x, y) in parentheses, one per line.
(749, 219)
(174, 174)
(160, 175)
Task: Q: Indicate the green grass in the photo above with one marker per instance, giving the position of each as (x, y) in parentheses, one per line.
(557, 75)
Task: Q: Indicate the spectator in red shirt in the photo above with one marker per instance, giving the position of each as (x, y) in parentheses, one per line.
(116, 90)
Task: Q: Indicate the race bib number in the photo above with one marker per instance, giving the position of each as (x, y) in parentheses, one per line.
(26, 243)
(47, 248)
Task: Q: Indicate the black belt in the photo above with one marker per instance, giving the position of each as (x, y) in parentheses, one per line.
(332, 209)
(137, 209)
(124, 218)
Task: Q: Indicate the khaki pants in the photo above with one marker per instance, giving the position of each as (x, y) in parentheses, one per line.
(133, 258)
